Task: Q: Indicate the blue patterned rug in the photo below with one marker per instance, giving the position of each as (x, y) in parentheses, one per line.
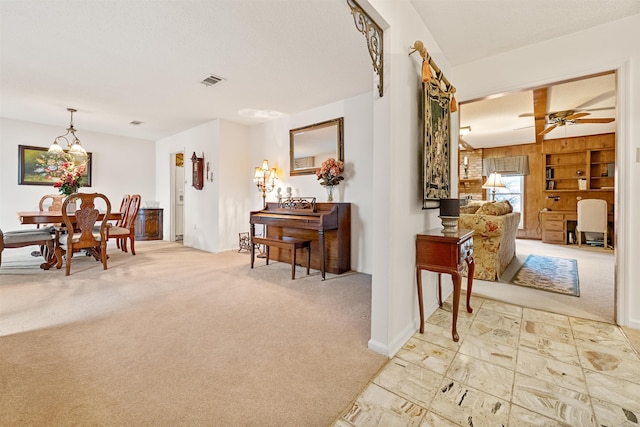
(549, 274)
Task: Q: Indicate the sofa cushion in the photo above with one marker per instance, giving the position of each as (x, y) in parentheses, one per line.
(469, 209)
(495, 208)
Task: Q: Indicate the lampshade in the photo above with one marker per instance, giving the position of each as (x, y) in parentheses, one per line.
(494, 181)
(258, 174)
(265, 165)
(74, 146)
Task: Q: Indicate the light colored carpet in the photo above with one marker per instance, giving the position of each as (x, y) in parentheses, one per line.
(176, 336)
(548, 273)
(596, 277)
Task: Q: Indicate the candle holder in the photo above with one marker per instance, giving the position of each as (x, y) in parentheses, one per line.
(449, 214)
(449, 223)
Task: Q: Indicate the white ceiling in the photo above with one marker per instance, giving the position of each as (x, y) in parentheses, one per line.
(509, 119)
(116, 62)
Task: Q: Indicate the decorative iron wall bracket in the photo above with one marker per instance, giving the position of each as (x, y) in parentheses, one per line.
(374, 36)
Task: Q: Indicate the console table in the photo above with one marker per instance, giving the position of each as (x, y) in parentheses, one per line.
(445, 253)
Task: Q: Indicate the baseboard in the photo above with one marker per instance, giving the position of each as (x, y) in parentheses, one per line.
(401, 339)
(634, 324)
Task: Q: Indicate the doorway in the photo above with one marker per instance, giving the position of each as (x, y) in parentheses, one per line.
(177, 197)
(521, 124)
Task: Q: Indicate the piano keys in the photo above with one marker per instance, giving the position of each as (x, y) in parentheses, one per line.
(327, 225)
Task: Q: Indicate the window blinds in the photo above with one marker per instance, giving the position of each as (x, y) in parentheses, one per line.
(518, 165)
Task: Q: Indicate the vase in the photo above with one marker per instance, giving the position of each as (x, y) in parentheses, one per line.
(329, 189)
(71, 207)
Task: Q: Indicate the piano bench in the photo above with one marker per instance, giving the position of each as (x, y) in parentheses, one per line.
(284, 242)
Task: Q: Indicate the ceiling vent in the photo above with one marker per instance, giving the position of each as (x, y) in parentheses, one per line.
(212, 80)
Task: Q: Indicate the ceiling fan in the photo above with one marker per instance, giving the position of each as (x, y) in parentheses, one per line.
(570, 117)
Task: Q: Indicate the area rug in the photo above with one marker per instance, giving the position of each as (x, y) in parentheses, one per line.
(547, 273)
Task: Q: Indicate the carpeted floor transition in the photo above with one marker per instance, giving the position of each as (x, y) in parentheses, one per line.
(177, 336)
(548, 273)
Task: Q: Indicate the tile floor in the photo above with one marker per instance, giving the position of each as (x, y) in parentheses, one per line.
(513, 366)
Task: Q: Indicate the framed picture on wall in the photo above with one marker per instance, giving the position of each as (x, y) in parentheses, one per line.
(36, 166)
(436, 169)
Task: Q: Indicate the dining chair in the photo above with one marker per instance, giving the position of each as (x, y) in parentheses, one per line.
(32, 237)
(592, 218)
(55, 205)
(126, 230)
(80, 224)
(124, 205)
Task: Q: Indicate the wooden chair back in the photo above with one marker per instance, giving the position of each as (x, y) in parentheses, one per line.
(54, 206)
(56, 202)
(80, 226)
(132, 211)
(124, 206)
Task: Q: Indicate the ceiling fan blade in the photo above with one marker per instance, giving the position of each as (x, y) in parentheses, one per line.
(598, 109)
(524, 127)
(576, 116)
(603, 120)
(547, 130)
(596, 100)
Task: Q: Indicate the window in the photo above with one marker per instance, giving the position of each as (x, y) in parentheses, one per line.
(513, 193)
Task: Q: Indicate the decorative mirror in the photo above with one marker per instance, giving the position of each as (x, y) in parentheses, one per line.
(309, 146)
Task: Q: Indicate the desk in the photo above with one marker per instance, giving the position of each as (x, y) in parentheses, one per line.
(556, 226)
(445, 253)
(53, 217)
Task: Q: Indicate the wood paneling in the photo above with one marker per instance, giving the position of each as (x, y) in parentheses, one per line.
(534, 183)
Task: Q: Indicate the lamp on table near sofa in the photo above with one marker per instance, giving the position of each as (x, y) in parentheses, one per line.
(494, 181)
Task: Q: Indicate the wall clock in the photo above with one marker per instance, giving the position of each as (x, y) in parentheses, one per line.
(197, 180)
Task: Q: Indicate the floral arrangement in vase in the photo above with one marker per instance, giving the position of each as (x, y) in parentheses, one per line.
(329, 174)
(70, 177)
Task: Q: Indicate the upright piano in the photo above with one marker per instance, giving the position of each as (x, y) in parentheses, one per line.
(327, 225)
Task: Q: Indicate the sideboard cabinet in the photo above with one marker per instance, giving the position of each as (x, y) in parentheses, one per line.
(149, 224)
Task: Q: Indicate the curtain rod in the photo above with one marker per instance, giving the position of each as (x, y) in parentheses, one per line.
(418, 46)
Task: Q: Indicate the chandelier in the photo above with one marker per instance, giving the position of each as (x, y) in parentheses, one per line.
(70, 139)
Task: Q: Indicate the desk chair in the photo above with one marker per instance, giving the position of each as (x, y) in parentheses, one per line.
(592, 218)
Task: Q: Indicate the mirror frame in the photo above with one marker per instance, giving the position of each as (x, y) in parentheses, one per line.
(295, 134)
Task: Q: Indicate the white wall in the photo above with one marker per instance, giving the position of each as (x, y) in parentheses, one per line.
(607, 47)
(215, 215)
(398, 181)
(120, 166)
(271, 141)
(234, 173)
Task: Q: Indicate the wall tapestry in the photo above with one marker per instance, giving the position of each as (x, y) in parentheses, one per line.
(436, 144)
(36, 166)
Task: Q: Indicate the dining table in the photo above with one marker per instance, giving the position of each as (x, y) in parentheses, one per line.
(55, 217)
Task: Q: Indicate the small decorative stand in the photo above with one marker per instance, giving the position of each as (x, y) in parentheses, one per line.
(244, 242)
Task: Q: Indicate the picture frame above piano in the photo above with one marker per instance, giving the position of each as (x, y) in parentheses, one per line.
(311, 145)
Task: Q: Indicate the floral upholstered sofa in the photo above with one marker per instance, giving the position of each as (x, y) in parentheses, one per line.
(495, 226)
